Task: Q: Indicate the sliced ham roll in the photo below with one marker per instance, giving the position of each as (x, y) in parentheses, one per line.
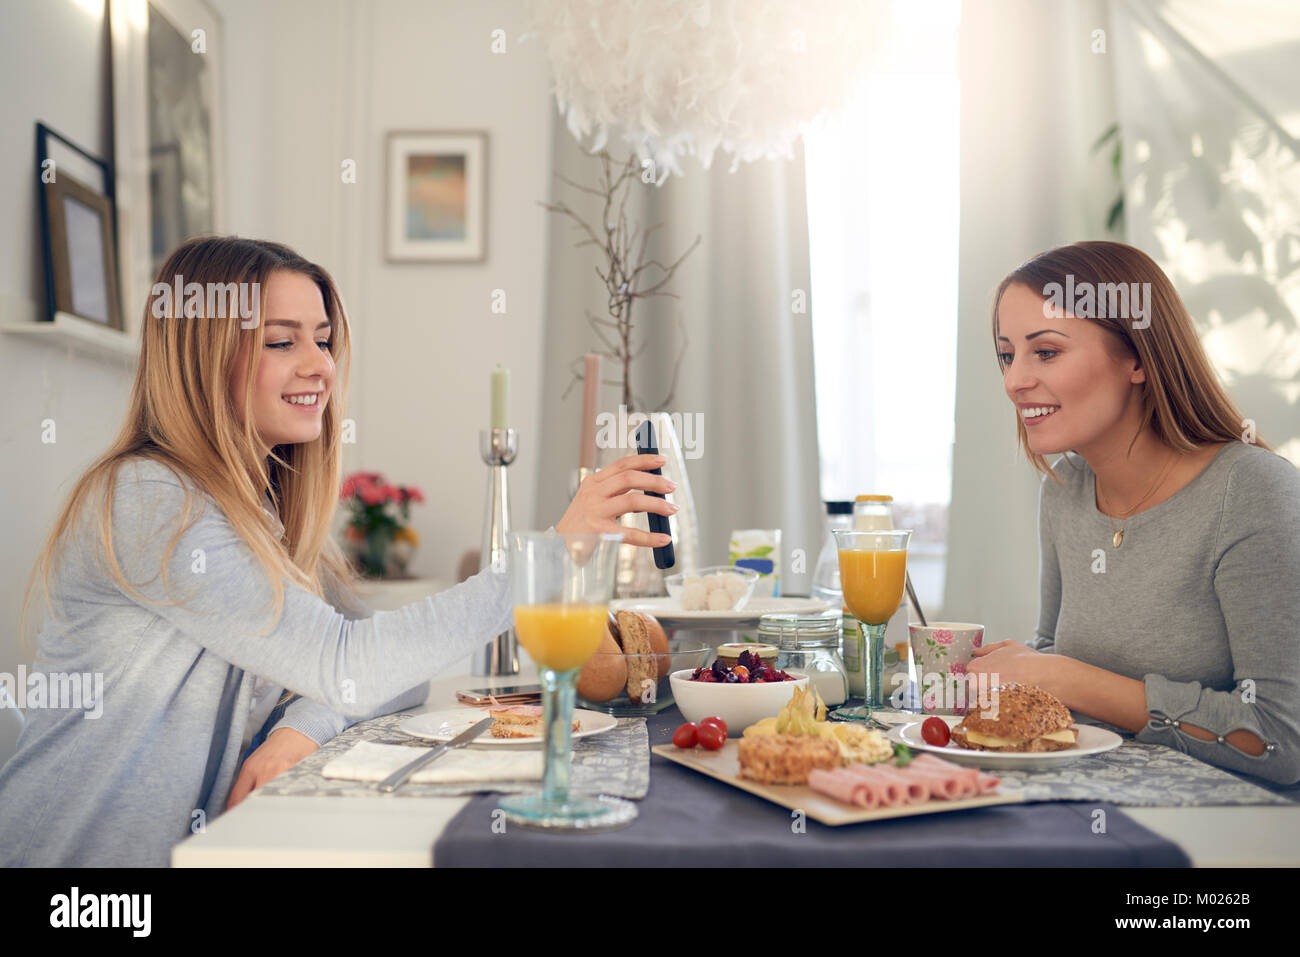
(892, 793)
(974, 780)
(926, 760)
(949, 787)
(930, 762)
(916, 789)
(845, 787)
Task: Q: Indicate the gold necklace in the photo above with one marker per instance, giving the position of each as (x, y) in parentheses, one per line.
(1117, 537)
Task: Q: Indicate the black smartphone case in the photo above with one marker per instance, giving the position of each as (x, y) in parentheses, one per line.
(645, 445)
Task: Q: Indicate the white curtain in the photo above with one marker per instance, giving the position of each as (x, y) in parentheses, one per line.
(1034, 97)
(747, 370)
(1209, 109)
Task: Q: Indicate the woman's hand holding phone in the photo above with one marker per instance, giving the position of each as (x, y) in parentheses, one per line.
(605, 495)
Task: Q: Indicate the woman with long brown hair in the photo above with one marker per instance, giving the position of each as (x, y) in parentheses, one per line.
(193, 568)
(1169, 532)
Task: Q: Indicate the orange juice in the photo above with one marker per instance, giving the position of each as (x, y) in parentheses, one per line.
(872, 582)
(560, 636)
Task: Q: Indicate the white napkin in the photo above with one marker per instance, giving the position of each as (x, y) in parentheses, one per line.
(368, 761)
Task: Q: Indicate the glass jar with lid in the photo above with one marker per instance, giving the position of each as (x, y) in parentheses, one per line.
(871, 512)
(809, 644)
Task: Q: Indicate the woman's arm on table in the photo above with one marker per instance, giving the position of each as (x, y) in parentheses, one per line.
(1090, 690)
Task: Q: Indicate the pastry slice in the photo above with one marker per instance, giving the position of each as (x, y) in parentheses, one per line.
(521, 721)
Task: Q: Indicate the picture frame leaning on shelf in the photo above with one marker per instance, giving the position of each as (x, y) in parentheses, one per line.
(78, 234)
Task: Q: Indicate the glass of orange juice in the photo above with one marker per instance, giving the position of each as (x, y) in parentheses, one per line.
(873, 570)
(561, 586)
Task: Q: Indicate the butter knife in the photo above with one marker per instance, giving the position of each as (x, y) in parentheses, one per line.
(398, 777)
(911, 593)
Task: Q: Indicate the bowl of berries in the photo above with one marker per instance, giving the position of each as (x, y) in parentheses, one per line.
(741, 695)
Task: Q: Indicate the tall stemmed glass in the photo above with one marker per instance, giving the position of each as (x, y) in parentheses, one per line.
(561, 586)
(873, 569)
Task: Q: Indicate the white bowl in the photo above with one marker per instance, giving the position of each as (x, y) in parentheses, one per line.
(740, 705)
(676, 584)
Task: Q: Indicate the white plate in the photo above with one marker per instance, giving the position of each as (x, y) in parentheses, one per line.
(894, 718)
(446, 724)
(1092, 740)
(670, 613)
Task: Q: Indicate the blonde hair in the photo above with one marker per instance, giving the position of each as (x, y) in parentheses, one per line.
(1182, 399)
(181, 415)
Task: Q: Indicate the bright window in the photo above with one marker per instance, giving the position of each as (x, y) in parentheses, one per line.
(883, 223)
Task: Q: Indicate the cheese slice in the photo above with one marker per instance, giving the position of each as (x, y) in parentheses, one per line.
(993, 741)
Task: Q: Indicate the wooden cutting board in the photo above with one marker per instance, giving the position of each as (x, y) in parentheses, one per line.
(724, 764)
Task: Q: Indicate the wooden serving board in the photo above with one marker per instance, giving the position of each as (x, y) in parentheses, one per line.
(724, 765)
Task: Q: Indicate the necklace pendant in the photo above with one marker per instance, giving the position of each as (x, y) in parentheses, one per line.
(1118, 538)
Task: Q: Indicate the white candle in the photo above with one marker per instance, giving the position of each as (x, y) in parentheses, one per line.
(500, 393)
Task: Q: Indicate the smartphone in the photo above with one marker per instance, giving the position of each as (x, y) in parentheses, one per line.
(511, 694)
(645, 445)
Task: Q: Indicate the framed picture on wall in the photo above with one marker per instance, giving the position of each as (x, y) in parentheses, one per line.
(77, 228)
(436, 196)
(80, 255)
(168, 76)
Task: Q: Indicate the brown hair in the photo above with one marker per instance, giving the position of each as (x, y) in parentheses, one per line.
(1182, 399)
(181, 414)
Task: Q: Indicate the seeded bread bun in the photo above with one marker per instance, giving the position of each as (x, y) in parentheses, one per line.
(1021, 713)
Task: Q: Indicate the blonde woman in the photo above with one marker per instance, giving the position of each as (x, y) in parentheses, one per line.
(193, 567)
(1170, 533)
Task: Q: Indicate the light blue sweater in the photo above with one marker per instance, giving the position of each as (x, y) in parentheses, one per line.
(1201, 602)
(160, 761)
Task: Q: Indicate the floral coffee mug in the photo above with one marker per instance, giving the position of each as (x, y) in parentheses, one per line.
(941, 651)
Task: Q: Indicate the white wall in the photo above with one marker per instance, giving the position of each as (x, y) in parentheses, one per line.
(320, 82)
(53, 68)
(309, 83)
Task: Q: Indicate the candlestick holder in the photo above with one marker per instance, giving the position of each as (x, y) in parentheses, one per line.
(500, 656)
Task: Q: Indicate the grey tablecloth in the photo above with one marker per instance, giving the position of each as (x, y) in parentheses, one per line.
(690, 820)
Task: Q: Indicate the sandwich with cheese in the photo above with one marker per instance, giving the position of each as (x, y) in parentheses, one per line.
(1022, 718)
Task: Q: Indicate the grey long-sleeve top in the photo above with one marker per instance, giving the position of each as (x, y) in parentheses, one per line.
(1201, 602)
(160, 760)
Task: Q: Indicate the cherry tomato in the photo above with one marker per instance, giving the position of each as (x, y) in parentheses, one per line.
(716, 722)
(741, 672)
(935, 731)
(685, 736)
(711, 737)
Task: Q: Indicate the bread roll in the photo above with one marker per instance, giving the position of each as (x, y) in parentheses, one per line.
(605, 673)
(642, 670)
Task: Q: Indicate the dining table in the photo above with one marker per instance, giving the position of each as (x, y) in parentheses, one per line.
(689, 819)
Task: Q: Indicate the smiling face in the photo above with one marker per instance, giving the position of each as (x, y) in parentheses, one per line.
(1072, 368)
(296, 361)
